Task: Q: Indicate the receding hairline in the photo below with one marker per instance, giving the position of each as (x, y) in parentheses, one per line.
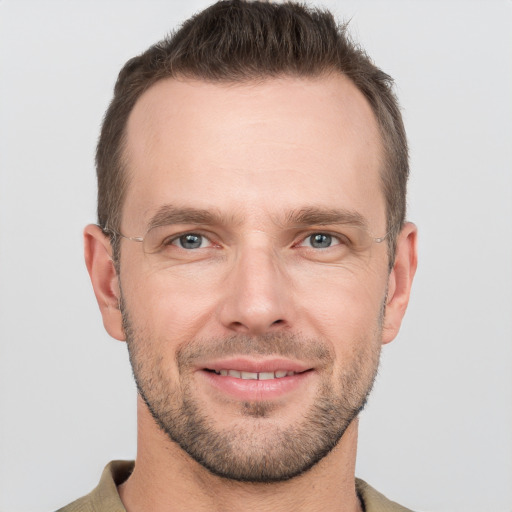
(319, 77)
(238, 41)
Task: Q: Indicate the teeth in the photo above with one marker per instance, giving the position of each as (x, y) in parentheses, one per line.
(253, 375)
(249, 376)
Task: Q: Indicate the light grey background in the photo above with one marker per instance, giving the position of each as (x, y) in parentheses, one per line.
(437, 434)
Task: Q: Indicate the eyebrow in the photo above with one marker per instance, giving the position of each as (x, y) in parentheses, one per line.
(318, 216)
(309, 216)
(170, 214)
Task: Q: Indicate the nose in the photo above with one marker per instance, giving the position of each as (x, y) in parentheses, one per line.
(256, 298)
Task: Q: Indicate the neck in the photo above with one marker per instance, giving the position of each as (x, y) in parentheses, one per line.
(165, 478)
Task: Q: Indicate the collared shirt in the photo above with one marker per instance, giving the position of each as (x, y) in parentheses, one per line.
(105, 498)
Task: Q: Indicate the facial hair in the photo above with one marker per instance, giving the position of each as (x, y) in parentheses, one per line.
(254, 448)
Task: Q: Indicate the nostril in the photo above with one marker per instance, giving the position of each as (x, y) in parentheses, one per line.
(256, 327)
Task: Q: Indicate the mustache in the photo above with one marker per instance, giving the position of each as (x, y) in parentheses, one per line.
(285, 345)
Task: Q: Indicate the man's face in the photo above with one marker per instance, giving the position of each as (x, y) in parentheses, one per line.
(253, 311)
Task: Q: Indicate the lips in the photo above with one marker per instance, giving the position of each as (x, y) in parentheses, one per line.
(279, 374)
(255, 380)
(251, 369)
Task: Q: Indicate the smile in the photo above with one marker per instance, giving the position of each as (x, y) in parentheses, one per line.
(279, 374)
(256, 380)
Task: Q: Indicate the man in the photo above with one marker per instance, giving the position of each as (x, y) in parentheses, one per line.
(252, 252)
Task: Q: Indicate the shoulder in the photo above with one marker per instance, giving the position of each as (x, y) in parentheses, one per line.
(374, 501)
(104, 497)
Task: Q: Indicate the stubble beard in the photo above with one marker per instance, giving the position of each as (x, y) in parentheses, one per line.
(263, 452)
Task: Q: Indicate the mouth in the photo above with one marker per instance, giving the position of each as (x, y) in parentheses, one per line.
(239, 374)
(251, 380)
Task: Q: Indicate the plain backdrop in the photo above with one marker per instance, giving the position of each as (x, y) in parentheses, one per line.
(437, 433)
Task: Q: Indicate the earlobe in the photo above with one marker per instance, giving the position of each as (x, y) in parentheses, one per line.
(400, 281)
(98, 259)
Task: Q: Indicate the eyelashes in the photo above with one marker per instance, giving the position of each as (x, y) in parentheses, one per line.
(195, 240)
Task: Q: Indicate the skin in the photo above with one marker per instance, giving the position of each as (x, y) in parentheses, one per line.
(254, 153)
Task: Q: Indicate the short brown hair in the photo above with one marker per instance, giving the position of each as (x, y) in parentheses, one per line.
(237, 41)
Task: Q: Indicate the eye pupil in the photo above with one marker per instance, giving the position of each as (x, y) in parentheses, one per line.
(191, 241)
(321, 241)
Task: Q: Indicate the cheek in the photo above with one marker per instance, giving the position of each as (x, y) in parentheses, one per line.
(342, 295)
(346, 311)
(169, 303)
(181, 302)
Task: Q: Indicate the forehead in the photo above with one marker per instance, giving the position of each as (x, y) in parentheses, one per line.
(257, 147)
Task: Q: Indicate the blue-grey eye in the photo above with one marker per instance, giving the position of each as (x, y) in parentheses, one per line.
(190, 241)
(320, 240)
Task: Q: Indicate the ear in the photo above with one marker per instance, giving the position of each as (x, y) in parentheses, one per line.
(400, 281)
(98, 258)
